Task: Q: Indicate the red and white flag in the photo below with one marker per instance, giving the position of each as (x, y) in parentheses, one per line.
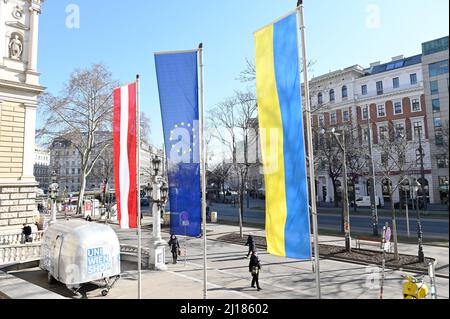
(125, 143)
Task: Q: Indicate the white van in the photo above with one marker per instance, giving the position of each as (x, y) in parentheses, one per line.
(364, 201)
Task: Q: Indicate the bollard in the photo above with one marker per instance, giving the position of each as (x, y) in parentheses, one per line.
(433, 294)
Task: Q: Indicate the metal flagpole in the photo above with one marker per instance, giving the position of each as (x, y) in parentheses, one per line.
(138, 148)
(203, 171)
(312, 179)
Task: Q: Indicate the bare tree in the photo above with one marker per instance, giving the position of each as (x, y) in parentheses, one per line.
(357, 161)
(83, 109)
(394, 148)
(234, 120)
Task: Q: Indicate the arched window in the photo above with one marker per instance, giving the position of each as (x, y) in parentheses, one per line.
(320, 98)
(344, 92)
(332, 96)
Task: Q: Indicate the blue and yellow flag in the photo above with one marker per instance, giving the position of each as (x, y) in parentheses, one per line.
(282, 138)
(177, 74)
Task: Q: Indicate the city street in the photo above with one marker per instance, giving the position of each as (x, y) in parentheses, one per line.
(433, 228)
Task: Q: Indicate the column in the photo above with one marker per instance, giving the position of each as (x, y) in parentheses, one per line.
(29, 143)
(33, 35)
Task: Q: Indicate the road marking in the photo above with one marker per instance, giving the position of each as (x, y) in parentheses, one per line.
(242, 294)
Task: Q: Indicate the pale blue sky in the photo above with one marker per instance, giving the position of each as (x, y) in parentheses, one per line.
(124, 34)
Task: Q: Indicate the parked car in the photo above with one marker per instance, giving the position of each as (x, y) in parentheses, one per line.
(365, 201)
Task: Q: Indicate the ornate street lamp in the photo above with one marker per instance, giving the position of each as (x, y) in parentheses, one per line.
(416, 187)
(53, 191)
(158, 192)
(156, 165)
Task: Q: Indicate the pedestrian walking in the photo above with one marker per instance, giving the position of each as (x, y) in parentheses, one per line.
(254, 268)
(251, 245)
(174, 248)
(28, 233)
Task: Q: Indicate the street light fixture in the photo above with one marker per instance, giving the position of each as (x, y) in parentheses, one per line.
(156, 165)
(416, 187)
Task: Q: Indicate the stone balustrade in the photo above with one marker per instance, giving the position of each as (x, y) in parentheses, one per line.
(13, 254)
(19, 238)
(130, 253)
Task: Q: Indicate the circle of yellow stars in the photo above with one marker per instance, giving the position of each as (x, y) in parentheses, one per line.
(187, 126)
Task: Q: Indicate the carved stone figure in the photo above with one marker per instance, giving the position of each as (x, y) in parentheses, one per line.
(15, 48)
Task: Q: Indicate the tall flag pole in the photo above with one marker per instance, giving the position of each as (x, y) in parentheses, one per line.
(283, 142)
(203, 169)
(312, 186)
(138, 174)
(180, 84)
(126, 160)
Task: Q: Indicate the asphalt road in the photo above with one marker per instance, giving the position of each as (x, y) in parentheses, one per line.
(436, 228)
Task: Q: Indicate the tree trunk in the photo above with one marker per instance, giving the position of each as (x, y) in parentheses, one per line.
(241, 204)
(81, 196)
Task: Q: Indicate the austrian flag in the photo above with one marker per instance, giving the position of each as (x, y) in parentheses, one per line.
(125, 148)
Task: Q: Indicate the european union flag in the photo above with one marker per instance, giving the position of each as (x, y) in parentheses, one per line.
(177, 74)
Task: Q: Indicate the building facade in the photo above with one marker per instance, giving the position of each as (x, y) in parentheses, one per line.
(65, 162)
(389, 99)
(435, 58)
(19, 89)
(42, 168)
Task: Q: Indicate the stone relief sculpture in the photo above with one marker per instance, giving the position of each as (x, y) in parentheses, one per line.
(15, 47)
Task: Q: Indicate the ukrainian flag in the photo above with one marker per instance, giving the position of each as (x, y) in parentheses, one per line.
(282, 138)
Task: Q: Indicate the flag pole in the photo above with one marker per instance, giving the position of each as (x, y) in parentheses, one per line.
(203, 171)
(138, 148)
(312, 179)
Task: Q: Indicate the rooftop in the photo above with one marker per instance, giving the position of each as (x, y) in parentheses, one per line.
(394, 65)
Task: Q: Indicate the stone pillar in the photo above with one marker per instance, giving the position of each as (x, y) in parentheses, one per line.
(33, 37)
(29, 144)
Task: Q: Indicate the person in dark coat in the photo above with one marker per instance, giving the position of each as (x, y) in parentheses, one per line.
(27, 232)
(254, 268)
(251, 245)
(174, 247)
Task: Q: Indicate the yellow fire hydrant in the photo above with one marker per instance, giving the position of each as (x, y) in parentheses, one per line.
(414, 289)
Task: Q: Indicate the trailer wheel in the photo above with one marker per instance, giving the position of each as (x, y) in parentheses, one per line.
(50, 279)
(105, 292)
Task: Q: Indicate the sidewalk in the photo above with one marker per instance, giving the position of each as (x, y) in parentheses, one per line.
(228, 276)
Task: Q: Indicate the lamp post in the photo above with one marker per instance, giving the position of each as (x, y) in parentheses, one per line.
(159, 191)
(54, 188)
(373, 190)
(422, 168)
(416, 188)
(346, 207)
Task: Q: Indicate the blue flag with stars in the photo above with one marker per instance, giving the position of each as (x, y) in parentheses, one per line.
(177, 75)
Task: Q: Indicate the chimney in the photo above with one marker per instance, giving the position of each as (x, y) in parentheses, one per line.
(398, 57)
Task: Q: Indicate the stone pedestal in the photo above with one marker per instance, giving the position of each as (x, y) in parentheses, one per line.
(158, 255)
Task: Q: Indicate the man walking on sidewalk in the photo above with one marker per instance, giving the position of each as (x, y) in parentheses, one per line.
(255, 267)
